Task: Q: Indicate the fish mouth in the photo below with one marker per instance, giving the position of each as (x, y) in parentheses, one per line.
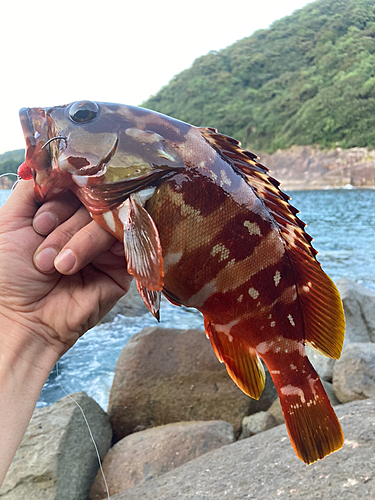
(47, 180)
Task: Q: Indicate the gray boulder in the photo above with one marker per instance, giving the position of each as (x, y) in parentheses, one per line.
(259, 422)
(56, 459)
(322, 364)
(359, 307)
(148, 454)
(167, 375)
(264, 467)
(354, 372)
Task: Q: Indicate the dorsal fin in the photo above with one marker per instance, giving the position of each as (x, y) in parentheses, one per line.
(320, 301)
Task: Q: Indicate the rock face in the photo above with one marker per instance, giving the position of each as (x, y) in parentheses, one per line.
(148, 454)
(359, 307)
(56, 459)
(308, 167)
(354, 373)
(166, 375)
(130, 304)
(264, 467)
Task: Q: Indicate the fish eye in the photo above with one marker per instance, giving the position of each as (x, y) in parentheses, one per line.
(83, 111)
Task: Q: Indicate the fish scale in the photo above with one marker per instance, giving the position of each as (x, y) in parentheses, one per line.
(204, 223)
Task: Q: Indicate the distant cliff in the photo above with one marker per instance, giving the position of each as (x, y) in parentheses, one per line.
(307, 167)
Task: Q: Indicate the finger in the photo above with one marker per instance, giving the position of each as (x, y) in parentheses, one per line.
(54, 212)
(53, 244)
(86, 245)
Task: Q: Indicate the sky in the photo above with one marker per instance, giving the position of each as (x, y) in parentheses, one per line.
(53, 52)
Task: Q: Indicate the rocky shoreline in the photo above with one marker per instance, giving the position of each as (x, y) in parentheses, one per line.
(178, 428)
(308, 167)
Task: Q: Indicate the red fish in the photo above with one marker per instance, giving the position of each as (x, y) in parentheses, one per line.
(203, 223)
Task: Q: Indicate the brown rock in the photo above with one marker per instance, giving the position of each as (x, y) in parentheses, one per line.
(149, 454)
(167, 375)
(130, 304)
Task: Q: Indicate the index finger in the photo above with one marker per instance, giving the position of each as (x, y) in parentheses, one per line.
(54, 212)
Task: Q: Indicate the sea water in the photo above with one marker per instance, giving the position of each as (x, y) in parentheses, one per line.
(342, 224)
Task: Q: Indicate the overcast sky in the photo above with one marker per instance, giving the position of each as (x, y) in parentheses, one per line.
(55, 52)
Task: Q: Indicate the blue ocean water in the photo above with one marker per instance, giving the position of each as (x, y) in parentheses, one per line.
(342, 224)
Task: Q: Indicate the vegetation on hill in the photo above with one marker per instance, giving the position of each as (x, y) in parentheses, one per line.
(308, 79)
(11, 160)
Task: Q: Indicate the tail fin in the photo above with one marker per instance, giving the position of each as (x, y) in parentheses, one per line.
(312, 424)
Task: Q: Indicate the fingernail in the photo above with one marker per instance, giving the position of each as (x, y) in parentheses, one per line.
(65, 261)
(44, 223)
(44, 260)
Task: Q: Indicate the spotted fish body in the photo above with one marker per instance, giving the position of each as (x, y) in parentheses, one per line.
(203, 222)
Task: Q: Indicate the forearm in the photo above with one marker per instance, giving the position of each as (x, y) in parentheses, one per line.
(24, 367)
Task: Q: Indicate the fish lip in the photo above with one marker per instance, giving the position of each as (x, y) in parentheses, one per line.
(35, 130)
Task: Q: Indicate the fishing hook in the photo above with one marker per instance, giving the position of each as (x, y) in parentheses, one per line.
(54, 139)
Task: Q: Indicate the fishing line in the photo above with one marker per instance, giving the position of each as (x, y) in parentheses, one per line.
(89, 429)
(17, 180)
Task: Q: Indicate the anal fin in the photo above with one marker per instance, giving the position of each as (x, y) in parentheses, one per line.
(242, 363)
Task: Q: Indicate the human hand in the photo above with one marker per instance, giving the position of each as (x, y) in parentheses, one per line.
(56, 307)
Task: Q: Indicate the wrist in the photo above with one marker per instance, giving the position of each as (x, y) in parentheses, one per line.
(23, 345)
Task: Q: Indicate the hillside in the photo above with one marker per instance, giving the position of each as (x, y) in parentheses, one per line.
(308, 79)
(9, 162)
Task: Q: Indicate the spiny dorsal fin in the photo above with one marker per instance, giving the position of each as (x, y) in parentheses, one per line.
(320, 301)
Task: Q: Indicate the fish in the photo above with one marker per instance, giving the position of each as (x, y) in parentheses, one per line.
(205, 224)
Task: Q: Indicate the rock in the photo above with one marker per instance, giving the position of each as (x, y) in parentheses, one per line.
(259, 422)
(130, 304)
(277, 412)
(167, 375)
(359, 307)
(264, 467)
(322, 364)
(328, 387)
(148, 454)
(354, 372)
(308, 167)
(56, 459)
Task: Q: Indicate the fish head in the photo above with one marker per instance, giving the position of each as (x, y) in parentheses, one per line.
(102, 142)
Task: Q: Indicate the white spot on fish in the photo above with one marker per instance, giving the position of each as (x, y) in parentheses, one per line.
(252, 227)
(144, 195)
(239, 299)
(80, 180)
(110, 220)
(272, 324)
(291, 320)
(171, 259)
(224, 179)
(275, 372)
(198, 299)
(213, 175)
(222, 250)
(254, 294)
(293, 367)
(291, 390)
(277, 278)
(227, 328)
(123, 211)
(143, 136)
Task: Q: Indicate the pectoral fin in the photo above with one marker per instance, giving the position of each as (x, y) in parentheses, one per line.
(151, 299)
(142, 245)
